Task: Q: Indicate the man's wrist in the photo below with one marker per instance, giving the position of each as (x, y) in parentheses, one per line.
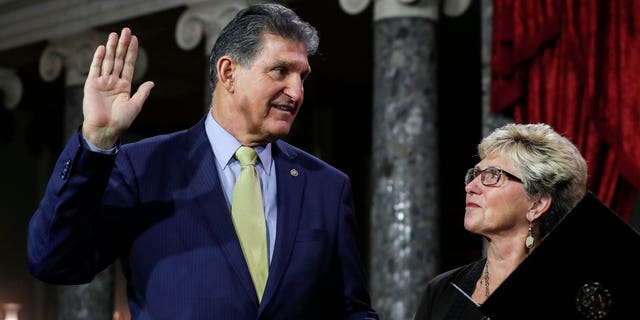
(94, 148)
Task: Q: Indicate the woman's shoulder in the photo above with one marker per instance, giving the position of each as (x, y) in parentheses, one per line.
(455, 273)
(440, 294)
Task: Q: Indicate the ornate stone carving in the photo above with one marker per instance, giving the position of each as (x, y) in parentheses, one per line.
(354, 6)
(454, 8)
(23, 22)
(398, 8)
(405, 8)
(11, 88)
(74, 54)
(205, 20)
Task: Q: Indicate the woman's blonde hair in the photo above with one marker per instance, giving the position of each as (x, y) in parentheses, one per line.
(549, 163)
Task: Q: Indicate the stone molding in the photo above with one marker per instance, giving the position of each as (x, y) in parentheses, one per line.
(23, 22)
(384, 9)
(205, 20)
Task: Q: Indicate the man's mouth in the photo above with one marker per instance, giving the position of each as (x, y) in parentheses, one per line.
(284, 108)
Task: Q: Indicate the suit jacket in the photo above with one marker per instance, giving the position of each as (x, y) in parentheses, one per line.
(441, 300)
(158, 207)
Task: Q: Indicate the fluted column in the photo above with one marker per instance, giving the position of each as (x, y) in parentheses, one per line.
(405, 245)
(206, 20)
(73, 55)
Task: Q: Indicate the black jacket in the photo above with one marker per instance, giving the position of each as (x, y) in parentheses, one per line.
(441, 300)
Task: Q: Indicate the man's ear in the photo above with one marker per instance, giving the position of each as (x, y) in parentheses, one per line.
(538, 207)
(226, 67)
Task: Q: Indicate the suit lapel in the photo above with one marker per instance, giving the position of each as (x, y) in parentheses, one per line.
(291, 179)
(205, 180)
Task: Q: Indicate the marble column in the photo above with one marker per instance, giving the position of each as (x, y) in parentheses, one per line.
(404, 231)
(73, 55)
(205, 20)
(405, 237)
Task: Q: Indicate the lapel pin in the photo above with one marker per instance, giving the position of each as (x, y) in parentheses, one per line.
(294, 172)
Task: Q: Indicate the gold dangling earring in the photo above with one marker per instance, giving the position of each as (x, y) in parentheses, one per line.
(528, 242)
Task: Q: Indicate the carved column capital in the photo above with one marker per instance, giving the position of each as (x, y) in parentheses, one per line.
(394, 8)
(205, 20)
(405, 8)
(10, 88)
(354, 6)
(74, 55)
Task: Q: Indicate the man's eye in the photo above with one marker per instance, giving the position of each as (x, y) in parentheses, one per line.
(278, 73)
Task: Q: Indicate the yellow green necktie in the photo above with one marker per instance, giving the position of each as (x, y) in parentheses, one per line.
(247, 213)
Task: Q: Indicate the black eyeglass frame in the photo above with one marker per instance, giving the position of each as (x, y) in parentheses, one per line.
(473, 173)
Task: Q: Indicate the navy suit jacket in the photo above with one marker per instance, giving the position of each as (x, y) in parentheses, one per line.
(159, 208)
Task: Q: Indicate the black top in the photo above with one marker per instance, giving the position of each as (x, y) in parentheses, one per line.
(443, 301)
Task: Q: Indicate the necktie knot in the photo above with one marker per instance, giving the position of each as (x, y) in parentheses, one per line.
(247, 156)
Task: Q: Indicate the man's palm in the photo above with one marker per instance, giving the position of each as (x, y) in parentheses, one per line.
(108, 107)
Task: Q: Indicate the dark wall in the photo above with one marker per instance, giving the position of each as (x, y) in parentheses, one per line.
(460, 108)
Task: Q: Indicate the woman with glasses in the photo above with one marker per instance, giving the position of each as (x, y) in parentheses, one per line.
(528, 178)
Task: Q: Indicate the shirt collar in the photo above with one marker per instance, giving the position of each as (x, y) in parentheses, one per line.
(226, 145)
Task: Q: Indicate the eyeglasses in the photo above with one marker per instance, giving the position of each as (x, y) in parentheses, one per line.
(489, 176)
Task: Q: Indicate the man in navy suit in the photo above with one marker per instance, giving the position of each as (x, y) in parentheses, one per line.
(162, 205)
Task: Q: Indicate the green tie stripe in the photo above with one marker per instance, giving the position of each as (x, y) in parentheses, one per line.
(247, 213)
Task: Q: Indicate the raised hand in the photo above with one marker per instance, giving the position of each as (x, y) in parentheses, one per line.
(108, 106)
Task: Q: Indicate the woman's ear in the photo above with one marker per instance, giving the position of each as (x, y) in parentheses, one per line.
(226, 73)
(538, 207)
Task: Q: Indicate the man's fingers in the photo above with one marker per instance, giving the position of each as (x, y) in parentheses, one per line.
(123, 51)
(143, 92)
(130, 60)
(96, 63)
(107, 62)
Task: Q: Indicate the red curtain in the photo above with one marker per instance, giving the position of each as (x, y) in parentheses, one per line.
(575, 64)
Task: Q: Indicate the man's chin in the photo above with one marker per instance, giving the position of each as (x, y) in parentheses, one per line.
(280, 131)
(276, 135)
